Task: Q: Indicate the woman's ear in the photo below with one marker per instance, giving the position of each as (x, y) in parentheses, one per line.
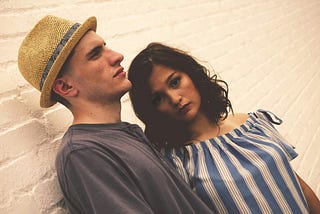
(64, 88)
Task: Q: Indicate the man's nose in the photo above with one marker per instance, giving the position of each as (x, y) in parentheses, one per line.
(115, 57)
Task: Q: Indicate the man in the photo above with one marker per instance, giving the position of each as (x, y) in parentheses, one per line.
(104, 165)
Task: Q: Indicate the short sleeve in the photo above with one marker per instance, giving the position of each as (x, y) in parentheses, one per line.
(270, 120)
(96, 182)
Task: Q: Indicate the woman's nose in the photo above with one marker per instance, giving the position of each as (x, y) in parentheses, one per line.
(175, 98)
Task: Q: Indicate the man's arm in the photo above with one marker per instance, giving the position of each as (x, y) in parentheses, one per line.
(312, 199)
(97, 182)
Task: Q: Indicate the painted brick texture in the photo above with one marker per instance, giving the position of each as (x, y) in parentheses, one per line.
(268, 51)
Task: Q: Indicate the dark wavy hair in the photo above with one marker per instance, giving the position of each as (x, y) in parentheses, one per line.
(159, 128)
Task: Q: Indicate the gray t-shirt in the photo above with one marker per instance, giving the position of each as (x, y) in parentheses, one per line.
(111, 168)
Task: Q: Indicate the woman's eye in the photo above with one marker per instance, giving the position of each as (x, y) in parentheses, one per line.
(174, 82)
(156, 100)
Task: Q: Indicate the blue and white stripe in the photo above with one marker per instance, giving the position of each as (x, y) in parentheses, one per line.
(244, 171)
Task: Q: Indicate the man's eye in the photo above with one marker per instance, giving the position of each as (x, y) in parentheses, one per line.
(95, 52)
(174, 82)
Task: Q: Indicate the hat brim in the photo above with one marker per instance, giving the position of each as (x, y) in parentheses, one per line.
(45, 98)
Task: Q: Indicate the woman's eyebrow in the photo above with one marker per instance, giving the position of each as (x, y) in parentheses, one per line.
(154, 93)
(170, 76)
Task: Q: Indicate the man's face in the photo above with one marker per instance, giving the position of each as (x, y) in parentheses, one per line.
(96, 71)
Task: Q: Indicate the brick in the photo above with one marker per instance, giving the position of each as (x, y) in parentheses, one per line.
(21, 139)
(11, 24)
(6, 82)
(39, 161)
(58, 120)
(48, 193)
(30, 4)
(10, 47)
(13, 111)
(22, 204)
(10, 78)
(31, 98)
(59, 210)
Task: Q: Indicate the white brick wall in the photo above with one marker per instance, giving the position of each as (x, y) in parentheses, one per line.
(267, 50)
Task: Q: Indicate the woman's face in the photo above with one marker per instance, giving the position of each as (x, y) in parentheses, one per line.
(174, 94)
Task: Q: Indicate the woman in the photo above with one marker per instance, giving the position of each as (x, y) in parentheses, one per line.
(236, 163)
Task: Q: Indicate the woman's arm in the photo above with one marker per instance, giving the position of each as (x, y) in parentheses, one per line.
(312, 199)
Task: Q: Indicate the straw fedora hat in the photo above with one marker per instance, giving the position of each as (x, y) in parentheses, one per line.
(45, 49)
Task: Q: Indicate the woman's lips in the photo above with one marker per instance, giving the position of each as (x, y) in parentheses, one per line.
(185, 108)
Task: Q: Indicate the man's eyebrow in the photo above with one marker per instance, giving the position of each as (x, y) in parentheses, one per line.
(93, 51)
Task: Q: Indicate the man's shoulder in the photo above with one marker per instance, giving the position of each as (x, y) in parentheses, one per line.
(102, 138)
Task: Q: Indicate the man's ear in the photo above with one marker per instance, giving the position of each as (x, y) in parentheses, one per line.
(62, 87)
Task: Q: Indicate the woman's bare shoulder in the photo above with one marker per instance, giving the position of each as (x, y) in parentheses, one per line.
(232, 122)
(238, 118)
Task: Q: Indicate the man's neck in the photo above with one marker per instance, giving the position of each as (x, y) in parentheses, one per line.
(97, 114)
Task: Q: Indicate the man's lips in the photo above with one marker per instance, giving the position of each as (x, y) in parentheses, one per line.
(119, 71)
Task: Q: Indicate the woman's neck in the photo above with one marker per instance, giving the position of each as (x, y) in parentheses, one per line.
(202, 128)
